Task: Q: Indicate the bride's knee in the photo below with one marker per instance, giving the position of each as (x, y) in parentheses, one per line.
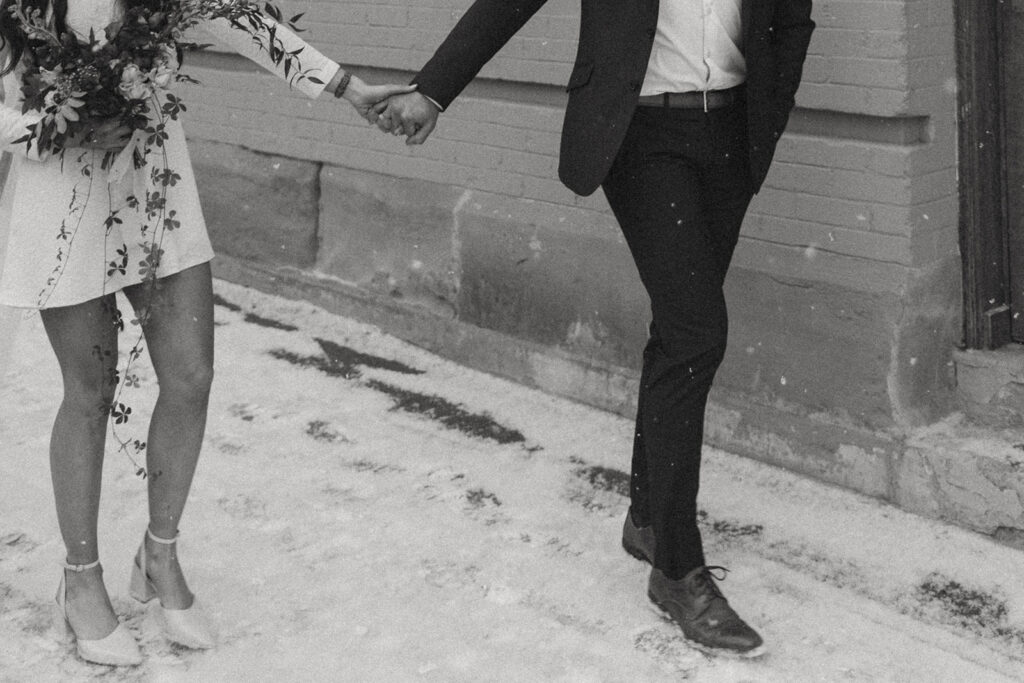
(189, 382)
(89, 396)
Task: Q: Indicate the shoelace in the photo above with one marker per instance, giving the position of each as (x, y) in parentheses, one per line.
(708, 578)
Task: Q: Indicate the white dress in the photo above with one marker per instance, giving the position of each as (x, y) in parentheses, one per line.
(62, 250)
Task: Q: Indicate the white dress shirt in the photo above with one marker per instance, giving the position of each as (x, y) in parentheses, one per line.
(697, 47)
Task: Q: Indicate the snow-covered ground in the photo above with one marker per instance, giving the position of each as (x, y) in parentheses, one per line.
(365, 511)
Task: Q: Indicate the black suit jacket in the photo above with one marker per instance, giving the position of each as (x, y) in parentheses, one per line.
(615, 43)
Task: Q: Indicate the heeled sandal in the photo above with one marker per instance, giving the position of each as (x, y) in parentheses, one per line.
(192, 626)
(118, 648)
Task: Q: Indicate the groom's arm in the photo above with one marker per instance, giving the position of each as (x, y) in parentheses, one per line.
(483, 30)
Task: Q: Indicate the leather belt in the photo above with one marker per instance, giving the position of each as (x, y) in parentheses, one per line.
(697, 99)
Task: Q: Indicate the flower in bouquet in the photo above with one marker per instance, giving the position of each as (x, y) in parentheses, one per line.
(51, 78)
(165, 66)
(117, 77)
(134, 83)
(63, 108)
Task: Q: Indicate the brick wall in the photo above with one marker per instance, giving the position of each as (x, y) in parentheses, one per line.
(842, 187)
(844, 291)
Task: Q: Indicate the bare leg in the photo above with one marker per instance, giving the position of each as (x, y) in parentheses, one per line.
(85, 341)
(179, 334)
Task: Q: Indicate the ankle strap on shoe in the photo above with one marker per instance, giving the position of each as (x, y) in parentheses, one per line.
(78, 568)
(162, 541)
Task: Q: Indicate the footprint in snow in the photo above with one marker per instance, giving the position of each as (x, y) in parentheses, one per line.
(15, 543)
(598, 489)
(244, 411)
(321, 430)
(669, 649)
(243, 506)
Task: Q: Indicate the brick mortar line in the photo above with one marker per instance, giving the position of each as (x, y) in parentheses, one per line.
(818, 247)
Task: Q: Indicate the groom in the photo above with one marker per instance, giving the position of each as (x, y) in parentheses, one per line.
(674, 111)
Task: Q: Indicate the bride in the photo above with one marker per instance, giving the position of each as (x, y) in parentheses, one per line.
(67, 257)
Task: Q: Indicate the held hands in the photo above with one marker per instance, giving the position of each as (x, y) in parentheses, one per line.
(410, 114)
(396, 109)
(363, 96)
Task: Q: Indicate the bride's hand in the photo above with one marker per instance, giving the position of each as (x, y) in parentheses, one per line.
(362, 96)
(109, 136)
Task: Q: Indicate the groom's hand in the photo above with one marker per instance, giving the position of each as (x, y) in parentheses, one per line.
(363, 96)
(410, 114)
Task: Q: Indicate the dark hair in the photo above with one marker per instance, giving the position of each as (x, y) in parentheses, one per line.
(13, 39)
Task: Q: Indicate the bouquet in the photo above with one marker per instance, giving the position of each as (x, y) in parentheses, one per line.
(78, 83)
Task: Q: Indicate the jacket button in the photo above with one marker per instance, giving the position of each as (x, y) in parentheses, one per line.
(634, 85)
(651, 32)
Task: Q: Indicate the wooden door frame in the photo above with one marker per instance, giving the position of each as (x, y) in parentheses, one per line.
(983, 215)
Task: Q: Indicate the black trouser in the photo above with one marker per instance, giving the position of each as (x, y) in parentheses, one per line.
(679, 189)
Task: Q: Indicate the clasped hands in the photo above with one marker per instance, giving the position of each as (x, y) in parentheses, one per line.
(410, 114)
(401, 111)
(396, 109)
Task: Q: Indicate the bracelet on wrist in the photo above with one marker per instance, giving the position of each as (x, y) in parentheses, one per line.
(342, 85)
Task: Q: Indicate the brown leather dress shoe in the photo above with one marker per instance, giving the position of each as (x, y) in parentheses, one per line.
(697, 605)
(638, 541)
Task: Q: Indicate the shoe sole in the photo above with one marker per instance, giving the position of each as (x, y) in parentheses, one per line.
(665, 615)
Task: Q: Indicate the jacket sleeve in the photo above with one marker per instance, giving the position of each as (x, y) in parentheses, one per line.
(313, 63)
(483, 30)
(791, 28)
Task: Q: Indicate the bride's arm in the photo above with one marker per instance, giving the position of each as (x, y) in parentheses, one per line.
(332, 77)
(312, 62)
